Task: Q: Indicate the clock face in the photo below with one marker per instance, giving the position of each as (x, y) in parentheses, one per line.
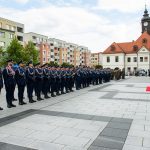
(145, 24)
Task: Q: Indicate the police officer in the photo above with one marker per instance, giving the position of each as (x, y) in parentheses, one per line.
(1, 84)
(9, 81)
(45, 88)
(21, 82)
(53, 81)
(38, 81)
(30, 79)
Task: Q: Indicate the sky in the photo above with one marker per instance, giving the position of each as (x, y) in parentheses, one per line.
(91, 23)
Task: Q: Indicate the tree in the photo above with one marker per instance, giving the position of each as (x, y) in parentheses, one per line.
(15, 50)
(66, 65)
(30, 53)
(2, 57)
(52, 63)
(98, 67)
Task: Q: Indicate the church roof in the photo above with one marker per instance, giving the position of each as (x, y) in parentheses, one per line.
(129, 47)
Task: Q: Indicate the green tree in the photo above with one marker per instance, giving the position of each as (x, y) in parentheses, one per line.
(14, 50)
(30, 53)
(98, 67)
(2, 57)
(52, 63)
(66, 65)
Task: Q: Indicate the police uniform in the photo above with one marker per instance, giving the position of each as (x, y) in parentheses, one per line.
(30, 79)
(1, 83)
(38, 81)
(21, 82)
(9, 81)
(45, 86)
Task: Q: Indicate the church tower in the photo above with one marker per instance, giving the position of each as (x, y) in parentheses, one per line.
(146, 21)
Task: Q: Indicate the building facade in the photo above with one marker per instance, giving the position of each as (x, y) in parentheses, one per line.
(133, 55)
(10, 29)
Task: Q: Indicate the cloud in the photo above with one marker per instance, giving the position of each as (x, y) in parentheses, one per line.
(74, 24)
(22, 1)
(125, 6)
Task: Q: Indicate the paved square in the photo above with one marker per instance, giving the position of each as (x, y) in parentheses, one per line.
(112, 116)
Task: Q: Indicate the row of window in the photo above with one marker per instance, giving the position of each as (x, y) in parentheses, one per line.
(2, 34)
(129, 59)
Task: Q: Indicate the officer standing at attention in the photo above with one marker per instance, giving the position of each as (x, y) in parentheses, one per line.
(45, 88)
(1, 84)
(21, 82)
(9, 81)
(38, 81)
(30, 79)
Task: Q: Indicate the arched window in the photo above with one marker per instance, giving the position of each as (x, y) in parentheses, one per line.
(144, 41)
(135, 47)
(112, 48)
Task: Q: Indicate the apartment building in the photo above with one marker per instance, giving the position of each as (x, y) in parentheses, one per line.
(10, 29)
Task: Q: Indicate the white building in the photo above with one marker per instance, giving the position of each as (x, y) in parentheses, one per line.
(130, 55)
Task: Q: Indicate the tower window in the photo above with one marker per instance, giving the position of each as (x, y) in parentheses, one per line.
(144, 41)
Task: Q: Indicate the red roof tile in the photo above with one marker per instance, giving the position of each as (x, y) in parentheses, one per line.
(129, 47)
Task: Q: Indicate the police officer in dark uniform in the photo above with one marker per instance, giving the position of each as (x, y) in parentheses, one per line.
(9, 81)
(53, 81)
(38, 81)
(21, 82)
(30, 79)
(45, 88)
(58, 80)
(1, 84)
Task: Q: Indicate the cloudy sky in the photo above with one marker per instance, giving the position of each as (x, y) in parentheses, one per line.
(92, 23)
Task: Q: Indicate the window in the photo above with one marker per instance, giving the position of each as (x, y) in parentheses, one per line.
(141, 59)
(19, 29)
(52, 56)
(44, 59)
(108, 59)
(134, 59)
(129, 69)
(112, 47)
(2, 44)
(128, 59)
(2, 34)
(144, 41)
(116, 59)
(0, 25)
(135, 47)
(145, 59)
(11, 36)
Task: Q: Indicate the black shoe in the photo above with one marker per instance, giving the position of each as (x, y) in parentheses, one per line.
(53, 95)
(32, 101)
(14, 100)
(57, 94)
(71, 90)
(63, 93)
(12, 105)
(24, 103)
(9, 106)
(46, 97)
(1, 108)
(41, 99)
(20, 103)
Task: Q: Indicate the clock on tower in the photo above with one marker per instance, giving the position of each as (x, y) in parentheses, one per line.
(146, 21)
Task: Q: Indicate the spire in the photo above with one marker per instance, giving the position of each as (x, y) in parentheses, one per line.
(146, 11)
